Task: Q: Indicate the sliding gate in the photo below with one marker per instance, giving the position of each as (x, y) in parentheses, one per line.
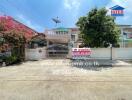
(57, 51)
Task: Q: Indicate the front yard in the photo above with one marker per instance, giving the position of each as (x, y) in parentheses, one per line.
(55, 79)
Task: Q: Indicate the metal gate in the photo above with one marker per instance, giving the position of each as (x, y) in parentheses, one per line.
(57, 51)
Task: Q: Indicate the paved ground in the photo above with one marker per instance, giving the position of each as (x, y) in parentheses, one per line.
(57, 80)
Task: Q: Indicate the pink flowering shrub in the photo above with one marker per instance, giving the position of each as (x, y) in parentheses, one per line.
(9, 24)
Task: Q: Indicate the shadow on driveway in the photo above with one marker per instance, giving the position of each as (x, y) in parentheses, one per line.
(95, 65)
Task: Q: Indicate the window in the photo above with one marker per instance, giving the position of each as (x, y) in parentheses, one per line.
(73, 37)
(56, 32)
(66, 32)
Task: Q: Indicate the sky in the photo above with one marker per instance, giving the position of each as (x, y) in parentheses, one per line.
(38, 14)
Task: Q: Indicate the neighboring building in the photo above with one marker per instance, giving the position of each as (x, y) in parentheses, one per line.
(126, 36)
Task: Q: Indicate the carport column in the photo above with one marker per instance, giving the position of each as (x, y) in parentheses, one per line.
(69, 50)
(69, 45)
(47, 43)
(47, 53)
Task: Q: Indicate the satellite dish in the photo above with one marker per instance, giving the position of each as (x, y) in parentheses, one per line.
(56, 20)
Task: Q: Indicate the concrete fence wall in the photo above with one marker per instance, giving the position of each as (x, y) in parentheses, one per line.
(97, 53)
(101, 53)
(122, 53)
(35, 54)
(115, 53)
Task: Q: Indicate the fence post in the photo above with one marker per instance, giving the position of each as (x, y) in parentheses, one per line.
(111, 51)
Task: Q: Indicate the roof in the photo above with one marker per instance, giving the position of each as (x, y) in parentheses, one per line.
(11, 24)
(124, 26)
(65, 29)
(74, 29)
(61, 29)
(117, 7)
(29, 28)
(129, 30)
(39, 36)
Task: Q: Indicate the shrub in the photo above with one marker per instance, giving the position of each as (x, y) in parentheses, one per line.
(9, 60)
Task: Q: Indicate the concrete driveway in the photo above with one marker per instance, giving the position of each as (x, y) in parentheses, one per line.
(56, 80)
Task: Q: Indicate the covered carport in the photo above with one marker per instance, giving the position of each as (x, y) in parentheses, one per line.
(57, 50)
(57, 45)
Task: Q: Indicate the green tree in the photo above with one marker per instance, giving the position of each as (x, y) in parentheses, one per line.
(98, 29)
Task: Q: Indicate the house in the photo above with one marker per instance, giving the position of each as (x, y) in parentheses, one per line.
(62, 35)
(37, 41)
(11, 27)
(70, 36)
(37, 48)
(61, 40)
(9, 24)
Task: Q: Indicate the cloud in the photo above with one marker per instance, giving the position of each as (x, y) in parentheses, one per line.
(72, 4)
(72, 9)
(29, 23)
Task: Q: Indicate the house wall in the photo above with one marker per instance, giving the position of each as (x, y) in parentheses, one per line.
(63, 35)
